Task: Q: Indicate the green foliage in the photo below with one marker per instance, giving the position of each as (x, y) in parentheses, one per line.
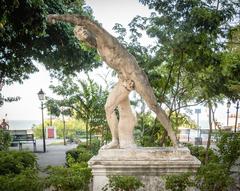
(123, 183)
(227, 151)
(179, 182)
(72, 126)
(147, 131)
(200, 153)
(150, 133)
(86, 101)
(74, 178)
(26, 180)
(5, 140)
(18, 171)
(228, 147)
(190, 62)
(219, 163)
(25, 36)
(213, 177)
(17, 31)
(185, 65)
(14, 162)
(210, 177)
(78, 155)
(93, 147)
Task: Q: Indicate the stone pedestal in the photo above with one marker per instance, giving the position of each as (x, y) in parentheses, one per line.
(148, 164)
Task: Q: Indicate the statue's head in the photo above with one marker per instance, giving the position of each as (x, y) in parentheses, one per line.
(85, 36)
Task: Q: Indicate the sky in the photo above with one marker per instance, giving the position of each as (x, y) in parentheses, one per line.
(107, 12)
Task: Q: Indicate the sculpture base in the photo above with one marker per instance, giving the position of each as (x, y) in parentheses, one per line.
(148, 164)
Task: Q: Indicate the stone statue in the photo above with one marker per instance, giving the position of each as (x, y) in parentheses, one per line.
(122, 131)
(131, 76)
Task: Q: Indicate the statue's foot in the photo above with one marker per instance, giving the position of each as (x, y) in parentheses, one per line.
(111, 145)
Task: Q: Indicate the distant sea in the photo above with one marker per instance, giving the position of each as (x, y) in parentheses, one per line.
(22, 124)
(29, 124)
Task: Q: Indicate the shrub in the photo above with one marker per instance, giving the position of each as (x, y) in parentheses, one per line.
(228, 148)
(27, 180)
(179, 182)
(78, 155)
(82, 145)
(93, 147)
(147, 141)
(123, 183)
(74, 178)
(14, 162)
(213, 177)
(200, 153)
(5, 140)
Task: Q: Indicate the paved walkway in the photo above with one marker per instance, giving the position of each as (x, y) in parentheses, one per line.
(55, 154)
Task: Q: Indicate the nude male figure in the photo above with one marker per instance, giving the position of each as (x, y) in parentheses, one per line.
(125, 64)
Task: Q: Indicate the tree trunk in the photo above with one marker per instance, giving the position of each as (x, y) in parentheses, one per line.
(64, 131)
(118, 58)
(210, 131)
(87, 132)
(90, 135)
(163, 139)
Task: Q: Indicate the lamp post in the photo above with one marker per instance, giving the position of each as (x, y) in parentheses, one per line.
(41, 96)
(228, 107)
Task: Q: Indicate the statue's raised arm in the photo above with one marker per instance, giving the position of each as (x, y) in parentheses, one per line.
(131, 77)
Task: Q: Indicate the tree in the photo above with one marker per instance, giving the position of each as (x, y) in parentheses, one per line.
(230, 63)
(25, 35)
(186, 65)
(86, 100)
(198, 30)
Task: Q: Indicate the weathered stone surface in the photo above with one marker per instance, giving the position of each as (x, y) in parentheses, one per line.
(149, 164)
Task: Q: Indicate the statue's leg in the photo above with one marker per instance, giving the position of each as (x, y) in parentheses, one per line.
(126, 125)
(144, 89)
(114, 98)
(112, 119)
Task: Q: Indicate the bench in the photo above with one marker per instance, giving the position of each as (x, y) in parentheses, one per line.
(22, 139)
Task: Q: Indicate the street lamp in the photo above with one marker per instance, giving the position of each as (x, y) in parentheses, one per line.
(228, 107)
(41, 96)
